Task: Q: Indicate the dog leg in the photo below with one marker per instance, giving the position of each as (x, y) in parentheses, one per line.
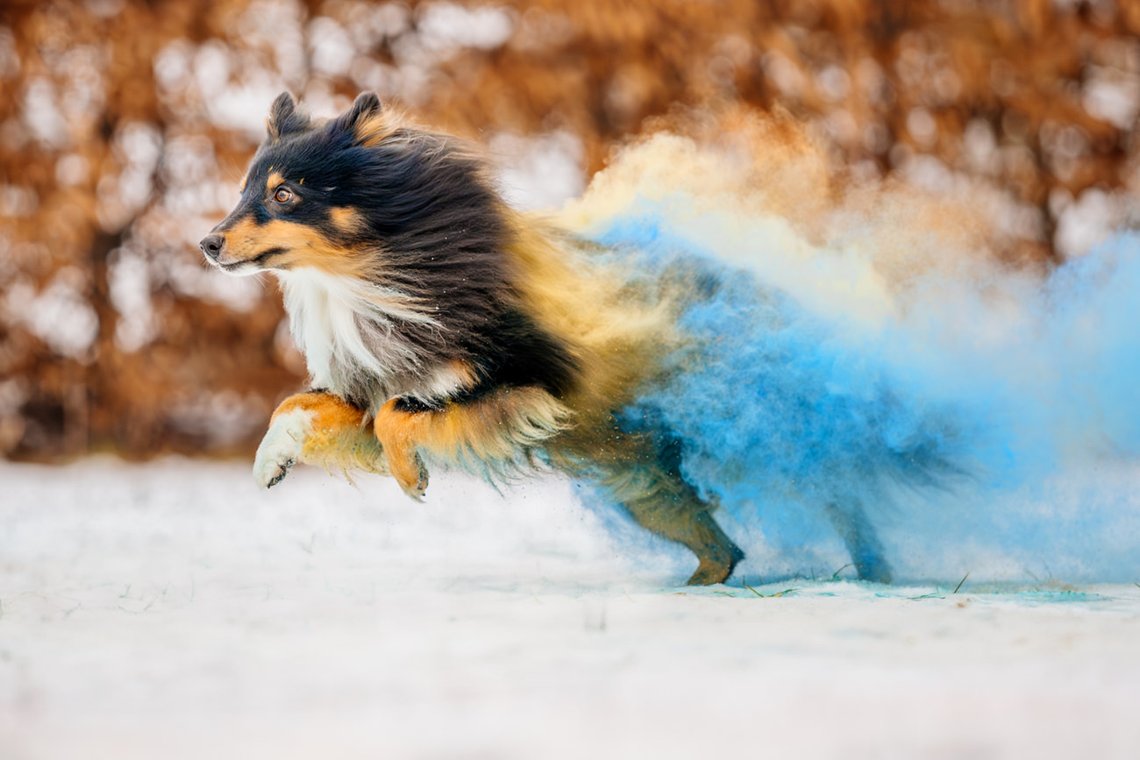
(400, 432)
(316, 428)
(664, 504)
(498, 428)
(862, 542)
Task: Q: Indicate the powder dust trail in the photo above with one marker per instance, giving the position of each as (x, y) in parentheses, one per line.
(865, 347)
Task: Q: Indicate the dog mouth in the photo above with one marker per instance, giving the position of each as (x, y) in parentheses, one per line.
(258, 261)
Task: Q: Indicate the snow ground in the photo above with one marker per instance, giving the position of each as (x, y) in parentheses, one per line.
(172, 610)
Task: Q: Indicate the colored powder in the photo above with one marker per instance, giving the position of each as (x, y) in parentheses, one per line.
(986, 420)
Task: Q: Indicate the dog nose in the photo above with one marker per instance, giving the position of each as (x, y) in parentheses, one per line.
(212, 245)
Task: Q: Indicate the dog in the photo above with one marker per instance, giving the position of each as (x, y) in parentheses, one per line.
(441, 326)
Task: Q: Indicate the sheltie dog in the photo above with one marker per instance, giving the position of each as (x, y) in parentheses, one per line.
(441, 326)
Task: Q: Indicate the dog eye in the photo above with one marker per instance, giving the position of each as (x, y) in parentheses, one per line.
(283, 195)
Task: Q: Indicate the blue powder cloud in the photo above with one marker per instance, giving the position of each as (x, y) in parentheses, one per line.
(1010, 453)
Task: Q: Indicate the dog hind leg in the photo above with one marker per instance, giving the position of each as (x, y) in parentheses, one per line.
(862, 542)
(666, 505)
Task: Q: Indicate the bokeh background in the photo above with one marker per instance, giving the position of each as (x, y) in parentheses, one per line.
(125, 127)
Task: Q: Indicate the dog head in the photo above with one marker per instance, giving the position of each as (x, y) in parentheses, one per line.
(331, 194)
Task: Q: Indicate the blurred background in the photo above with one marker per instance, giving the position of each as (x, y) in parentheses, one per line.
(125, 128)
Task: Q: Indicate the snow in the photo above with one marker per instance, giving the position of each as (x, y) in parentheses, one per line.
(174, 610)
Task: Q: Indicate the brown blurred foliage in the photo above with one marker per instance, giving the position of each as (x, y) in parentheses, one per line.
(124, 127)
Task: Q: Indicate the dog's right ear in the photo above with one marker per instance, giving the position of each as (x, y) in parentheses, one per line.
(284, 118)
(366, 105)
(366, 122)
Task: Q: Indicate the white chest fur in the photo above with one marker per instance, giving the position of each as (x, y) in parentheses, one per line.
(345, 327)
(322, 318)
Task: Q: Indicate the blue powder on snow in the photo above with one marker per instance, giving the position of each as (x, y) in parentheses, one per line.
(1001, 459)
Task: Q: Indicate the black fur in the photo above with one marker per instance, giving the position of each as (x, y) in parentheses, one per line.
(432, 224)
(525, 355)
(415, 405)
(522, 355)
(284, 119)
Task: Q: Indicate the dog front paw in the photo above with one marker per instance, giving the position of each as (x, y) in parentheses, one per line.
(410, 472)
(418, 488)
(281, 447)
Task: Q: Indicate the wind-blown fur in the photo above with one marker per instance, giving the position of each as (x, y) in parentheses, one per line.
(447, 328)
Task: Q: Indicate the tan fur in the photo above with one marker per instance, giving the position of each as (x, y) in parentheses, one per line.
(340, 439)
(305, 247)
(275, 179)
(614, 334)
(373, 130)
(498, 427)
(346, 219)
(451, 378)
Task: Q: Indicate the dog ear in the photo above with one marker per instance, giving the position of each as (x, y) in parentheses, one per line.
(357, 117)
(284, 118)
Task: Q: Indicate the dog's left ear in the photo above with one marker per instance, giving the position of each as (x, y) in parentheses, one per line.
(356, 119)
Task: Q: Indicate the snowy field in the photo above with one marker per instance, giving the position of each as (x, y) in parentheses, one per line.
(172, 610)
